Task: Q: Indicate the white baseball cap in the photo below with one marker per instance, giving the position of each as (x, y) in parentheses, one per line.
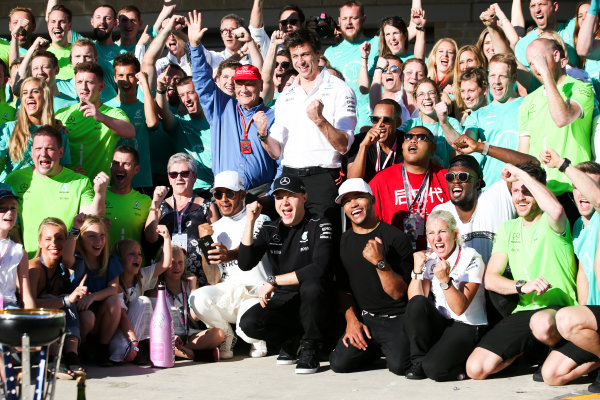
(353, 185)
(229, 180)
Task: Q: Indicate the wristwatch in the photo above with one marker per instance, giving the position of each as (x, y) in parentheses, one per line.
(380, 265)
(564, 165)
(271, 280)
(414, 275)
(519, 286)
(446, 285)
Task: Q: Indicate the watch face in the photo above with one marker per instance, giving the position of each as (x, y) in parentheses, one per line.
(381, 265)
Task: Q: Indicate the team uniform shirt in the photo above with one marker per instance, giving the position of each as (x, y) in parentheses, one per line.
(443, 148)
(585, 243)
(534, 251)
(92, 143)
(161, 146)
(63, 101)
(494, 207)
(184, 63)
(141, 142)
(566, 30)
(7, 165)
(227, 120)
(192, 136)
(346, 58)
(228, 231)
(376, 158)
(496, 123)
(391, 201)
(305, 248)
(60, 196)
(303, 144)
(571, 141)
(361, 278)
(406, 115)
(465, 266)
(64, 61)
(5, 49)
(128, 214)
(7, 113)
(67, 88)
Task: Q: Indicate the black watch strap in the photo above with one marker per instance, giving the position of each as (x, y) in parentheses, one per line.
(564, 165)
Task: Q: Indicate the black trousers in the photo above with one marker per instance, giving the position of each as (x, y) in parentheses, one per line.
(289, 313)
(441, 345)
(386, 333)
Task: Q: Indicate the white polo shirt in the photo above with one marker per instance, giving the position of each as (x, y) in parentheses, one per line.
(303, 144)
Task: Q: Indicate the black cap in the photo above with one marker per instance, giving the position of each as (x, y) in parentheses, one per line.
(289, 183)
(466, 160)
(4, 193)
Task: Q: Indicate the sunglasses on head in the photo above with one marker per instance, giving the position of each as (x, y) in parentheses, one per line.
(175, 174)
(228, 193)
(421, 137)
(386, 120)
(284, 64)
(289, 21)
(391, 68)
(461, 176)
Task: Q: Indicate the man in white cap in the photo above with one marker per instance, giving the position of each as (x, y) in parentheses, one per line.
(231, 291)
(377, 264)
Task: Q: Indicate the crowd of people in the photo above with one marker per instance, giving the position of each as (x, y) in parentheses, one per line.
(369, 199)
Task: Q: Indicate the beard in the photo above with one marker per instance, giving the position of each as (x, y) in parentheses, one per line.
(101, 35)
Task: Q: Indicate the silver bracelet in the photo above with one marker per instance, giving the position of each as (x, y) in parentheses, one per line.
(66, 302)
(486, 148)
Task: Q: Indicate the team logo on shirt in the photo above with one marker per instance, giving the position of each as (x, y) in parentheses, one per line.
(136, 205)
(64, 188)
(515, 238)
(304, 237)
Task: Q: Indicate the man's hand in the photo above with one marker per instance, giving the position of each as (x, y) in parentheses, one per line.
(195, 29)
(205, 229)
(262, 122)
(551, 159)
(145, 38)
(382, 62)
(510, 173)
(539, 285)
(219, 254)
(242, 34)
(264, 294)
(101, 182)
(277, 37)
(315, 111)
(371, 137)
(20, 27)
(373, 251)
(40, 43)
(90, 110)
(253, 211)
(355, 335)
(442, 270)
(466, 145)
(540, 64)
(365, 49)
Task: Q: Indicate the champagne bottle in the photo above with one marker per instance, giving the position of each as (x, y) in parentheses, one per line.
(162, 349)
(81, 388)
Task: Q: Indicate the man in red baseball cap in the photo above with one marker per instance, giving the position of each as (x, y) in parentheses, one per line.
(247, 85)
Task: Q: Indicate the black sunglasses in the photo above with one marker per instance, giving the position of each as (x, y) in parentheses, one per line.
(228, 193)
(175, 174)
(284, 64)
(391, 68)
(386, 120)
(289, 21)
(461, 176)
(421, 137)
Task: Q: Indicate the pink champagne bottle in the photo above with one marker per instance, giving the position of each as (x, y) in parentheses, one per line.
(162, 350)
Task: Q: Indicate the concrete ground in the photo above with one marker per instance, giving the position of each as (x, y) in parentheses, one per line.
(247, 378)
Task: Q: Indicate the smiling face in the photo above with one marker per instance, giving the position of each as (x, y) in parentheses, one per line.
(8, 213)
(472, 94)
(173, 76)
(524, 202)
(385, 111)
(103, 21)
(463, 194)
(441, 239)
(306, 61)
(351, 22)
(391, 79)
(58, 26)
(51, 243)
(88, 86)
(129, 24)
(500, 81)
(394, 39)
(281, 61)
(225, 81)
(584, 207)
(32, 98)
(411, 74)
(292, 21)
(543, 12)
(488, 46)
(290, 206)
(427, 97)
(46, 155)
(23, 35)
(247, 92)
(132, 258)
(445, 57)
(466, 60)
(229, 206)
(41, 67)
(122, 170)
(93, 240)
(189, 98)
(358, 207)
(177, 268)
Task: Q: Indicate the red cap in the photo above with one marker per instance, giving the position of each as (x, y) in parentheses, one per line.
(246, 73)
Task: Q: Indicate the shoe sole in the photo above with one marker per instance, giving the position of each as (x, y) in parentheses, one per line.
(306, 370)
(258, 355)
(286, 362)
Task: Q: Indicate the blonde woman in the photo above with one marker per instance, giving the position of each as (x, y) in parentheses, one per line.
(440, 63)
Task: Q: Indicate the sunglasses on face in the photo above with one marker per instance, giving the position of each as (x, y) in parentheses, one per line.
(421, 137)
(386, 120)
(228, 193)
(461, 176)
(391, 68)
(289, 21)
(175, 174)
(284, 64)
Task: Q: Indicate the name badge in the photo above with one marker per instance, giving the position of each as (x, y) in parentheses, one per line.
(245, 147)
(180, 240)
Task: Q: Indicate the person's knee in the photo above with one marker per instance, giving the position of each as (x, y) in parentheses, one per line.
(416, 306)
(249, 324)
(543, 327)
(87, 319)
(338, 363)
(435, 370)
(312, 290)
(200, 302)
(477, 366)
(112, 304)
(569, 323)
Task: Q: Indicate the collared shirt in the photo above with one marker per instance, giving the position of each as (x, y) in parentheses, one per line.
(184, 63)
(303, 144)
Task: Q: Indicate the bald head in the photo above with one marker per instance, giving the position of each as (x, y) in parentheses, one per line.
(546, 56)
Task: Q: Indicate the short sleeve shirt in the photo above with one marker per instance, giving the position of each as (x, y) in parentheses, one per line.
(128, 214)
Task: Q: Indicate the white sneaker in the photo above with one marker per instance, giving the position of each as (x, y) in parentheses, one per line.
(226, 348)
(258, 349)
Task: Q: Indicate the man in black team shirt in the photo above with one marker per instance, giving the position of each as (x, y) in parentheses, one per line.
(296, 297)
(377, 261)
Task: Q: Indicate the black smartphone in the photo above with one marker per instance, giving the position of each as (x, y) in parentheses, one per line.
(206, 245)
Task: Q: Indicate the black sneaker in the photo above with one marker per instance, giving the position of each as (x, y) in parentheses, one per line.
(288, 353)
(415, 372)
(537, 375)
(308, 362)
(595, 387)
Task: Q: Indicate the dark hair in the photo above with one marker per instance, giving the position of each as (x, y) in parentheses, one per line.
(589, 167)
(184, 81)
(125, 148)
(176, 67)
(60, 7)
(534, 170)
(393, 103)
(390, 56)
(229, 63)
(474, 73)
(90, 67)
(397, 23)
(107, 6)
(428, 80)
(284, 53)
(354, 3)
(124, 59)
(293, 7)
(47, 130)
(235, 17)
(130, 8)
(302, 36)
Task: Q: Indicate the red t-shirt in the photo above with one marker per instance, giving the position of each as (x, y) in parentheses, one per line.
(390, 197)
